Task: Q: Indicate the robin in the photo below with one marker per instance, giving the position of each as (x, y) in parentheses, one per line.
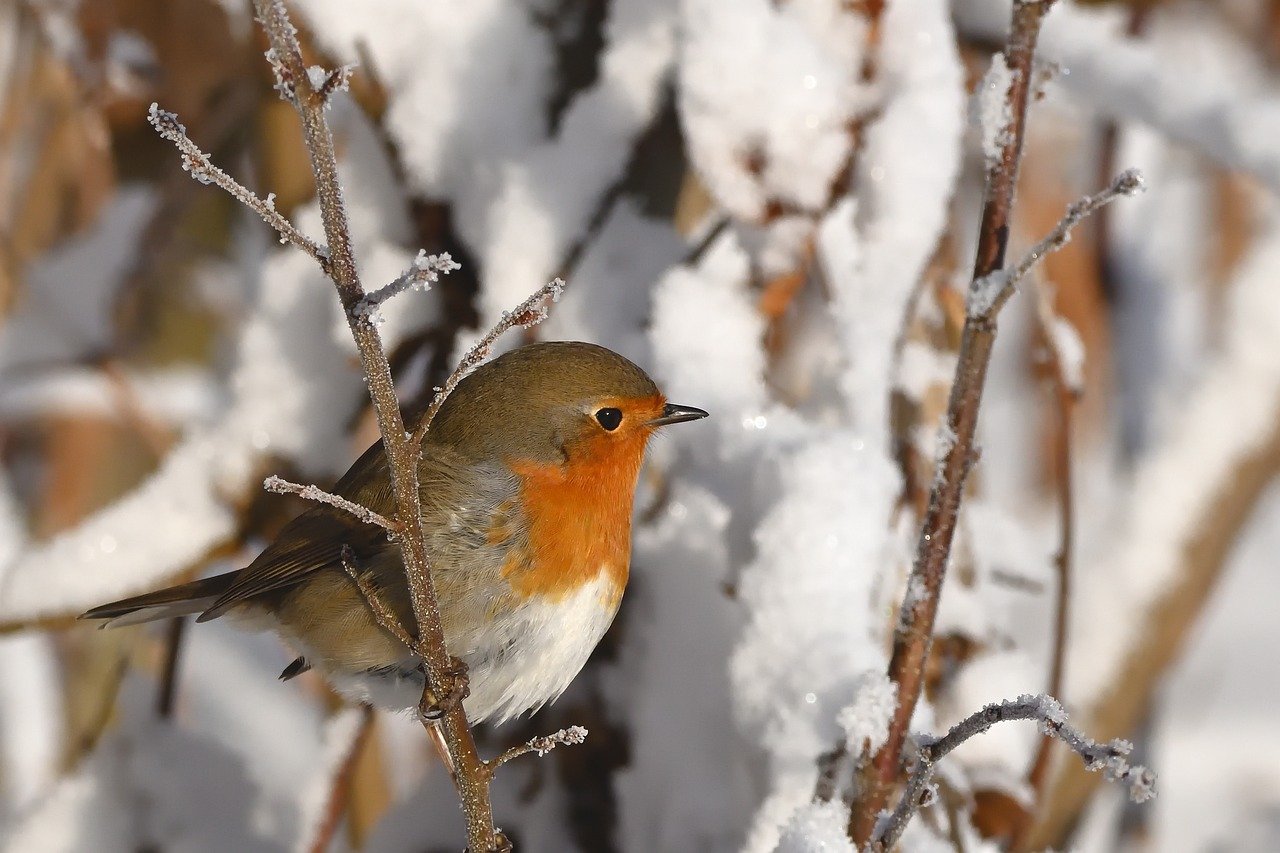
(527, 479)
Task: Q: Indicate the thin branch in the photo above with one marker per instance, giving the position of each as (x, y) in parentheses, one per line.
(281, 486)
(913, 633)
(529, 313)
(541, 745)
(340, 793)
(1066, 390)
(989, 292)
(426, 271)
(1111, 758)
(382, 614)
(202, 169)
(440, 692)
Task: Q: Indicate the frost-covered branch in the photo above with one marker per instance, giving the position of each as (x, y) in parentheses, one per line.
(281, 486)
(913, 634)
(989, 292)
(441, 695)
(203, 170)
(527, 314)
(571, 736)
(426, 271)
(1111, 758)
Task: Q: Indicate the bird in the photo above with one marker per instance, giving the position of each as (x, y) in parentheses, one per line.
(527, 478)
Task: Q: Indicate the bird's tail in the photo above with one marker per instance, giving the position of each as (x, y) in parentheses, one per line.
(180, 600)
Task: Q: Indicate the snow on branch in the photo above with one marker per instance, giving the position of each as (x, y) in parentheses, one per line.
(425, 271)
(990, 291)
(1111, 758)
(280, 486)
(203, 170)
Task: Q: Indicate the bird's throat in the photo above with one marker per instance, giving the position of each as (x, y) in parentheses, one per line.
(579, 521)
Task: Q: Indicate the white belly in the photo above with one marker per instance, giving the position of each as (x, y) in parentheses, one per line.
(528, 658)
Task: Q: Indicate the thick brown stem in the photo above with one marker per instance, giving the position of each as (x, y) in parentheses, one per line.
(912, 638)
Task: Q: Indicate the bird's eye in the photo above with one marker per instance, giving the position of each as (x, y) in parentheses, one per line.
(609, 418)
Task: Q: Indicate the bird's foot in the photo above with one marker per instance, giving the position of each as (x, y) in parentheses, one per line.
(455, 688)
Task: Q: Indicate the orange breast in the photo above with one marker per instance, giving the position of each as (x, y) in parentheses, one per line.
(579, 517)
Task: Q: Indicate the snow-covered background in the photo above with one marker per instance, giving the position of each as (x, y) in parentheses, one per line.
(773, 207)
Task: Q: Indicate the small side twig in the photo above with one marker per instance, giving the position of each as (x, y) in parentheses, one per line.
(528, 313)
(203, 170)
(1111, 758)
(989, 292)
(571, 736)
(426, 271)
(280, 486)
(382, 614)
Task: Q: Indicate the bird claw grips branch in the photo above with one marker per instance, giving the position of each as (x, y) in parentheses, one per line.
(458, 687)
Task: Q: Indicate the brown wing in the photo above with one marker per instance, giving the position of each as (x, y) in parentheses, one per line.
(314, 540)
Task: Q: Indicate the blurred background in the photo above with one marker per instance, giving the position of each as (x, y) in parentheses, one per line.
(772, 206)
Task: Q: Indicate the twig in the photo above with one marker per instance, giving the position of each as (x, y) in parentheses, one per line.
(382, 614)
(989, 292)
(914, 630)
(1111, 759)
(531, 312)
(426, 271)
(202, 169)
(340, 793)
(1065, 391)
(281, 486)
(541, 745)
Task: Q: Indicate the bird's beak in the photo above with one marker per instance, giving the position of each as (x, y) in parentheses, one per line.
(674, 413)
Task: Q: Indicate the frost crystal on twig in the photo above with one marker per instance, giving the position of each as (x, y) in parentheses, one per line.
(992, 289)
(202, 169)
(281, 486)
(1111, 759)
(425, 271)
(571, 736)
(527, 314)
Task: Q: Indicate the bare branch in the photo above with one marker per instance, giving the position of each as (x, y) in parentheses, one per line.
(426, 271)
(989, 292)
(382, 614)
(1111, 759)
(541, 745)
(527, 314)
(202, 169)
(314, 493)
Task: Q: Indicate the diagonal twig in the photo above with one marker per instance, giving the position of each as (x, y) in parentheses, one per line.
(202, 169)
(382, 614)
(528, 313)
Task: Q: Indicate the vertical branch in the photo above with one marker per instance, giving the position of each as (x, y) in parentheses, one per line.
(913, 635)
(295, 85)
(1065, 392)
